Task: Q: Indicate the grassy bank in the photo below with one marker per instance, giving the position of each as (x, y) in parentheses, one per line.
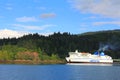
(33, 62)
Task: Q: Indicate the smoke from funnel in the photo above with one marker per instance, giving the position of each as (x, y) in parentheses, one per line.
(112, 44)
(103, 48)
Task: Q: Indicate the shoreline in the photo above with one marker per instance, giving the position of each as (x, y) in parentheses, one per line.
(33, 62)
(116, 61)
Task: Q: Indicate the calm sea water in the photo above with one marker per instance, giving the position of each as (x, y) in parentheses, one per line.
(60, 72)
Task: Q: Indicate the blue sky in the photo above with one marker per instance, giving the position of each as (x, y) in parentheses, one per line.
(19, 17)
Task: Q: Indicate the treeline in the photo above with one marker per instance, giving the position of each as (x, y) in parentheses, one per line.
(57, 45)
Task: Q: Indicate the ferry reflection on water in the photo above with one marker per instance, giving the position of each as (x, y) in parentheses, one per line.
(90, 64)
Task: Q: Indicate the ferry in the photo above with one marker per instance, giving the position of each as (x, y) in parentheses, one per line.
(83, 57)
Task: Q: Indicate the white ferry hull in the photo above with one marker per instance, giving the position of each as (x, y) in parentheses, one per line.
(79, 57)
(77, 60)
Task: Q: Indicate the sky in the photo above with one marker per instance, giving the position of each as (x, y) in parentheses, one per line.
(20, 17)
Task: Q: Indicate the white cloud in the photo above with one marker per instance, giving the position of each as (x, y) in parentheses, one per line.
(26, 19)
(108, 22)
(6, 33)
(41, 8)
(29, 27)
(9, 8)
(106, 8)
(48, 15)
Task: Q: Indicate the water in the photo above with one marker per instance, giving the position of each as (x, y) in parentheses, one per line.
(60, 72)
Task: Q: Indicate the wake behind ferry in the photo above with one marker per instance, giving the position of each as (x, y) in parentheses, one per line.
(81, 57)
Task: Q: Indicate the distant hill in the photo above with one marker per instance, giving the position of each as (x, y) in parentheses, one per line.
(59, 44)
(108, 41)
(101, 32)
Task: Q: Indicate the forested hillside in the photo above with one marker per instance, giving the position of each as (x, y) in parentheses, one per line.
(56, 46)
